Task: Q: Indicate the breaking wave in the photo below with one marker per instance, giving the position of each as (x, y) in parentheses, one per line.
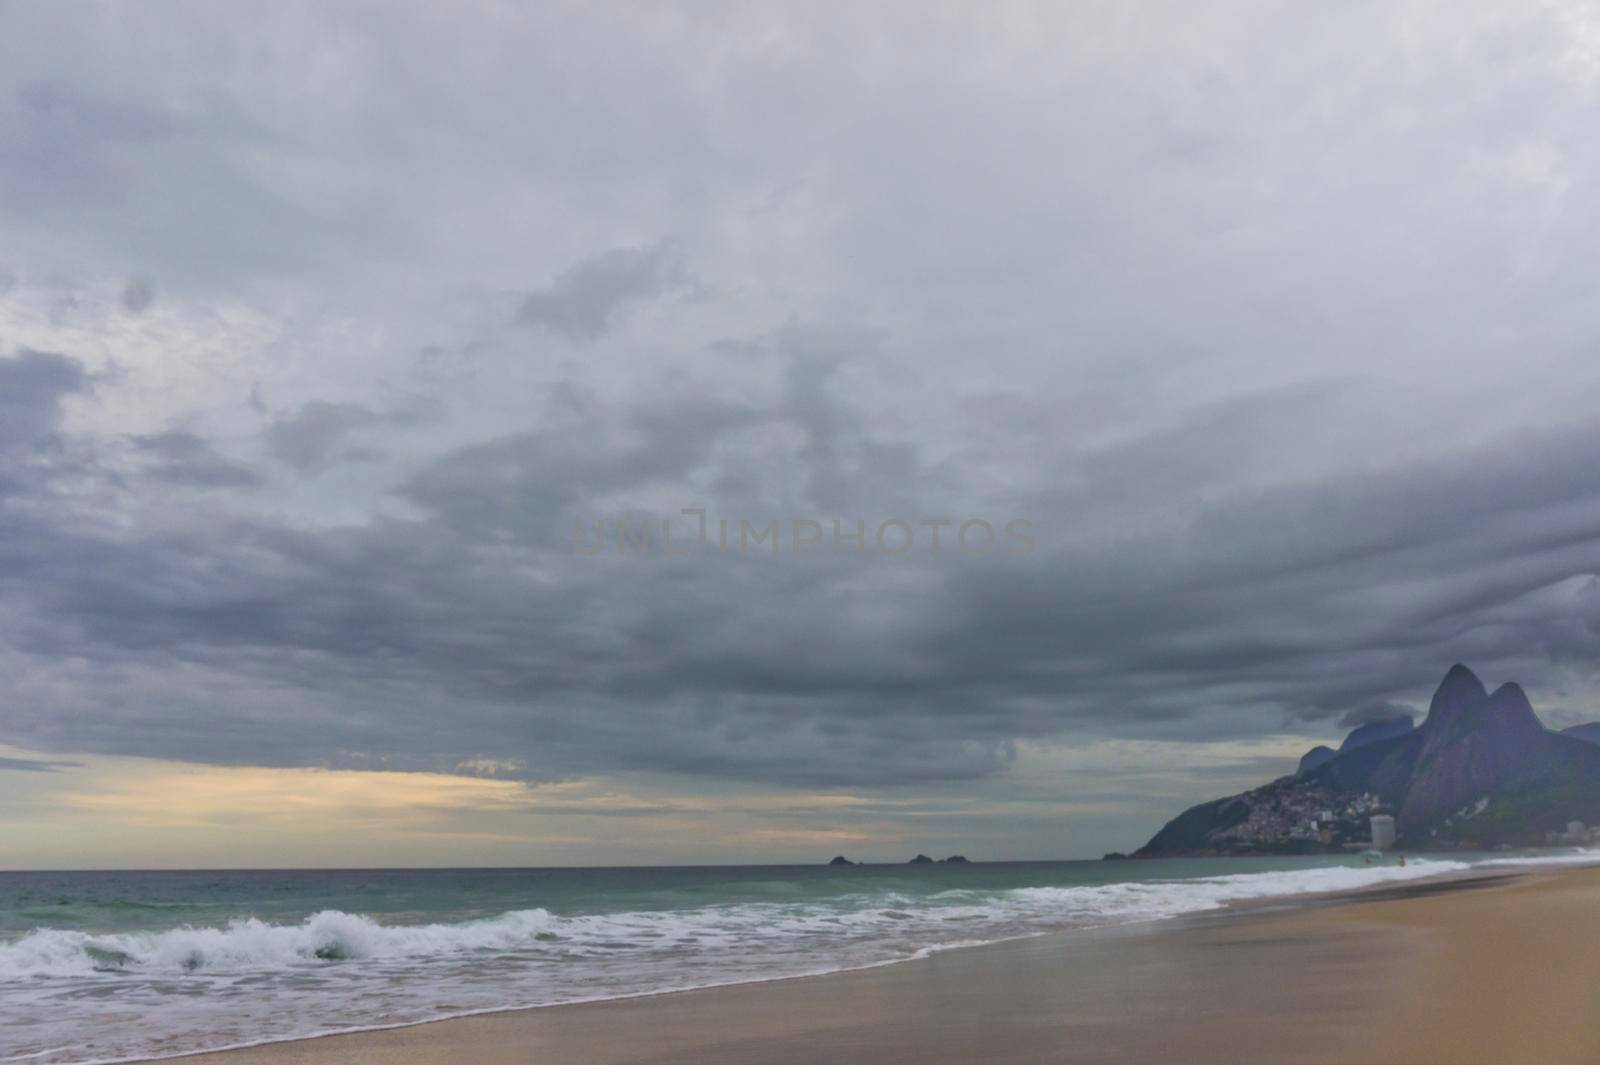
(248, 944)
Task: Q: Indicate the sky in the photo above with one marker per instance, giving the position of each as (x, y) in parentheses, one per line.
(574, 434)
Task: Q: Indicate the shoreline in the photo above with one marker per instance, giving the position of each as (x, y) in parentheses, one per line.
(1312, 942)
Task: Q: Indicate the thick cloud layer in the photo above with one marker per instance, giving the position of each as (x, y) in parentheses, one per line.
(1260, 342)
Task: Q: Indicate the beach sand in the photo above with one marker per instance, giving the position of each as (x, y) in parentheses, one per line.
(1460, 972)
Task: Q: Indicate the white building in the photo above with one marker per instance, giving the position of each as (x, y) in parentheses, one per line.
(1382, 832)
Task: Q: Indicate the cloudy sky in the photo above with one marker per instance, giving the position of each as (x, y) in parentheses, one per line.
(339, 343)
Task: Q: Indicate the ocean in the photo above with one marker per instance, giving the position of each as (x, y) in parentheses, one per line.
(113, 966)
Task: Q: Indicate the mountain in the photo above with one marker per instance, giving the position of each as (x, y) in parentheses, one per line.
(1360, 736)
(1373, 731)
(1480, 771)
(1589, 731)
(1319, 755)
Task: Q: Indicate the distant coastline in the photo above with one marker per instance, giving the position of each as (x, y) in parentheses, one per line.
(920, 859)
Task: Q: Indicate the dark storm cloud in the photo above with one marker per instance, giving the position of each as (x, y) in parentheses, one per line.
(522, 485)
(582, 301)
(473, 630)
(1286, 358)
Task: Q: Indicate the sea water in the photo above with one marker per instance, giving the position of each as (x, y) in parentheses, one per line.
(112, 966)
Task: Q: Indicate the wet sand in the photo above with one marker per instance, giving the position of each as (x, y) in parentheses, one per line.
(1463, 972)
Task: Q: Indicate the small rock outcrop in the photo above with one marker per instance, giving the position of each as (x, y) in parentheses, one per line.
(840, 859)
(954, 859)
(921, 859)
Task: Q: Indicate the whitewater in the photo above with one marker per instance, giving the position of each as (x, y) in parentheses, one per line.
(115, 967)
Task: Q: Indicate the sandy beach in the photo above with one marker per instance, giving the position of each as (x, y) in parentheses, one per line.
(1465, 971)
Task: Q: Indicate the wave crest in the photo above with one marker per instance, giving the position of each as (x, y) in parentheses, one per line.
(249, 943)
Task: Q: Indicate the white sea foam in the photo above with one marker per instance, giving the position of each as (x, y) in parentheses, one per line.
(1579, 856)
(250, 944)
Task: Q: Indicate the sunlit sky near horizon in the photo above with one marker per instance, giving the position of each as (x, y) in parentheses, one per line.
(118, 812)
(324, 332)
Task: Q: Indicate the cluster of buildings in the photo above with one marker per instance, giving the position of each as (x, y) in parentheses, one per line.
(1305, 818)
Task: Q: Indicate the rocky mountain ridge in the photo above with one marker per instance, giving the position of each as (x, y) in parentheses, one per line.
(1360, 736)
(1589, 731)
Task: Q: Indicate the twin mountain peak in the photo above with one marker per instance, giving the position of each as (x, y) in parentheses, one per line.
(1481, 771)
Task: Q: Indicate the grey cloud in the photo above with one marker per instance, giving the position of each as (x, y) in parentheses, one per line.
(582, 302)
(318, 435)
(64, 309)
(546, 809)
(528, 487)
(137, 295)
(183, 458)
(96, 118)
(1378, 711)
(821, 670)
(35, 765)
(32, 387)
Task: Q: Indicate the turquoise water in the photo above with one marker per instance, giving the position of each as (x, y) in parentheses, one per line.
(112, 966)
(119, 901)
